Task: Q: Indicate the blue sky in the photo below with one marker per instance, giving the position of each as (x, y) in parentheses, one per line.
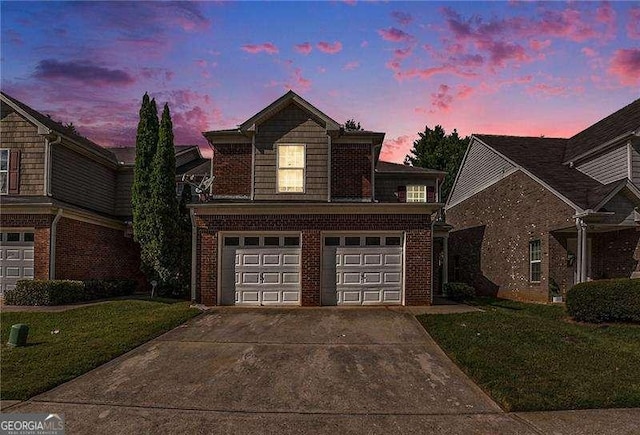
(544, 68)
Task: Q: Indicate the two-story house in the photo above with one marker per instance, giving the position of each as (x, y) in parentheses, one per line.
(65, 202)
(302, 212)
(532, 215)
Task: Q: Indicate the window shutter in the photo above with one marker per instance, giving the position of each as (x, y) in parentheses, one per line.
(14, 172)
(402, 193)
(431, 194)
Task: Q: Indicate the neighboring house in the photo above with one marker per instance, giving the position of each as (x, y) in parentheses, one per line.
(66, 201)
(530, 213)
(302, 212)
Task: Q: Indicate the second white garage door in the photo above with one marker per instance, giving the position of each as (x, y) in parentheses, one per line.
(362, 270)
(16, 258)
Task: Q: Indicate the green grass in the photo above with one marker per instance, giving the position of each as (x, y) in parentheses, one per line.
(88, 337)
(531, 357)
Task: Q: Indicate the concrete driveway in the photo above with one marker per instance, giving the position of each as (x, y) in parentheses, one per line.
(281, 371)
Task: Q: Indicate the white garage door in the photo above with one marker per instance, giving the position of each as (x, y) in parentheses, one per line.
(260, 269)
(362, 270)
(16, 258)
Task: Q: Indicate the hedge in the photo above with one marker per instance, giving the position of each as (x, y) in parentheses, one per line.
(616, 300)
(60, 292)
(459, 291)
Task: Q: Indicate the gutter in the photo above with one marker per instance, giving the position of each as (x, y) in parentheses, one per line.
(194, 252)
(47, 163)
(52, 244)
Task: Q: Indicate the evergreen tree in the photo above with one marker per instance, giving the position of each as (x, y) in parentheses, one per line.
(352, 125)
(184, 234)
(435, 149)
(146, 144)
(163, 204)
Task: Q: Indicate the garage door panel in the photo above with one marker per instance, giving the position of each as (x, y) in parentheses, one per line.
(290, 296)
(393, 259)
(13, 255)
(249, 260)
(350, 278)
(291, 259)
(371, 297)
(270, 278)
(271, 260)
(392, 278)
(351, 259)
(27, 272)
(290, 278)
(28, 254)
(250, 278)
(372, 259)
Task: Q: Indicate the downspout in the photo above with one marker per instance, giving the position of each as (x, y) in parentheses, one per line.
(253, 164)
(432, 269)
(52, 245)
(629, 161)
(47, 163)
(373, 172)
(328, 167)
(194, 252)
(583, 272)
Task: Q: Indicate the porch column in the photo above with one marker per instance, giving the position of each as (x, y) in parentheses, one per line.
(445, 259)
(581, 254)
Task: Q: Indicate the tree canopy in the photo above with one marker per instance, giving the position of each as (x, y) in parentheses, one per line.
(435, 149)
(352, 125)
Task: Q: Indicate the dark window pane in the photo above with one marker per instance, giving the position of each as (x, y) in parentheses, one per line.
(13, 237)
(292, 241)
(231, 241)
(352, 241)
(272, 241)
(28, 237)
(392, 241)
(372, 241)
(535, 272)
(332, 241)
(251, 241)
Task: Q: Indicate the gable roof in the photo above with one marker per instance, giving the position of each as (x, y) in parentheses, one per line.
(542, 158)
(127, 154)
(617, 126)
(47, 125)
(397, 168)
(281, 103)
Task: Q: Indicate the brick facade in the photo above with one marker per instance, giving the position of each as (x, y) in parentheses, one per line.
(232, 169)
(351, 171)
(616, 254)
(41, 240)
(417, 256)
(489, 246)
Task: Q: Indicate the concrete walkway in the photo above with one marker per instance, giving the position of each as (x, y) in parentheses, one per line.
(296, 371)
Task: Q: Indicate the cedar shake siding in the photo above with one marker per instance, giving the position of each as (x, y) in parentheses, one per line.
(82, 181)
(18, 134)
(351, 171)
(489, 246)
(292, 125)
(232, 170)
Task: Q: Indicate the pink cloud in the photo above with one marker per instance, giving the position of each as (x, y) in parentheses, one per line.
(443, 98)
(84, 71)
(402, 53)
(547, 90)
(539, 45)
(364, 44)
(633, 23)
(350, 66)
(327, 47)
(266, 47)
(395, 150)
(625, 64)
(607, 16)
(298, 82)
(304, 48)
(402, 18)
(589, 52)
(394, 35)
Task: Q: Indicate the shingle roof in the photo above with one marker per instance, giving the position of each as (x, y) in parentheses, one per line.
(623, 121)
(61, 129)
(200, 166)
(388, 167)
(542, 157)
(127, 154)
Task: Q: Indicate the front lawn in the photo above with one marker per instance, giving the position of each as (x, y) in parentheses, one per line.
(531, 357)
(87, 337)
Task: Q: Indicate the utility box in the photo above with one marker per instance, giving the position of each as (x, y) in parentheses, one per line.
(18, 336)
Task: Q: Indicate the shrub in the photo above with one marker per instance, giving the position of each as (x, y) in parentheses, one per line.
(44, 292)
(60, 292)
(459, 291)
(616, 300)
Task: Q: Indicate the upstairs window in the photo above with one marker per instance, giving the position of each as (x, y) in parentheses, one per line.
(535, 261)
(291, 160)
(4, 172)
(416, 193)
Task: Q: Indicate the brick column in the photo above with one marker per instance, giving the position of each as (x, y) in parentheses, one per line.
(311, 264)
(418, 267)
(207, 273)
(41, 252)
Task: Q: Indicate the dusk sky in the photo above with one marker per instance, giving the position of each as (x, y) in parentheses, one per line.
(544, 68)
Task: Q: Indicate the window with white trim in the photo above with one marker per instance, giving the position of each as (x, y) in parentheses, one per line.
(417, 193)
(291, 160)
(535, 261)
(4, 172)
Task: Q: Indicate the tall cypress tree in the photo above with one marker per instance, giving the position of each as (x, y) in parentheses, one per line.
(146, 144)
(165, 217)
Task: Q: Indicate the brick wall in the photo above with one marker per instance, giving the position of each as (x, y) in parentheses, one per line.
(491, 236)
(417, 258)
(87, 251)
(232, 169)
(351, 171)
(616, 254)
